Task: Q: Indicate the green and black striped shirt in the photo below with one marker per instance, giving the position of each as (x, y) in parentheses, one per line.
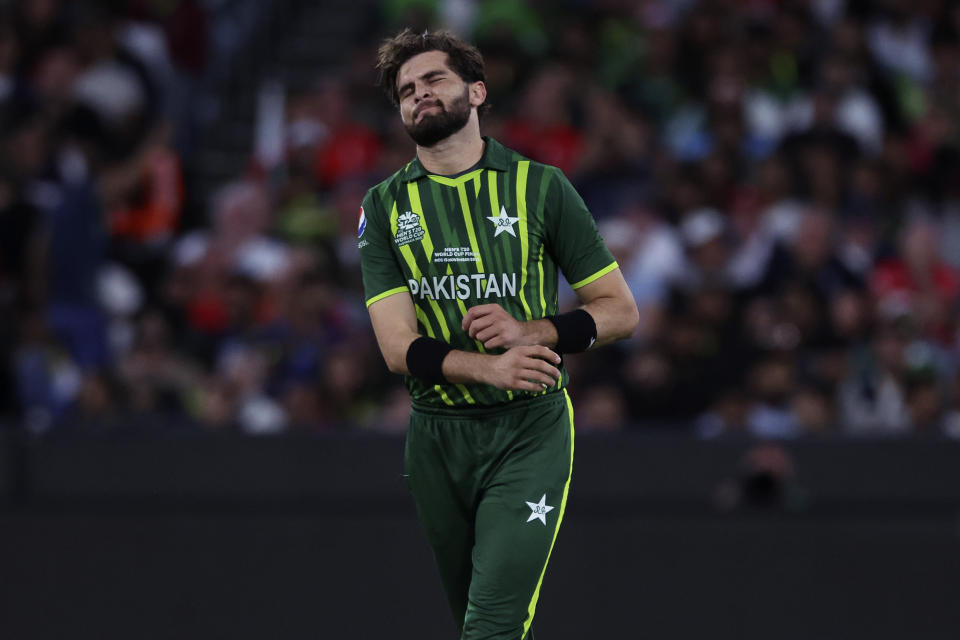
(495, 234)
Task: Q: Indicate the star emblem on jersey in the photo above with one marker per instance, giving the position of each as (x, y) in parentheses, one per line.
(502, 223)
(539, 510)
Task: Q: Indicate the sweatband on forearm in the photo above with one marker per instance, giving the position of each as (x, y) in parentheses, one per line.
(576, 331)
(425, 359)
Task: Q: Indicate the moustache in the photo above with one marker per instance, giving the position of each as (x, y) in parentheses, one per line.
(426, 105)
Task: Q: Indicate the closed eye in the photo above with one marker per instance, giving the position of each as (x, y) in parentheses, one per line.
(434, 76)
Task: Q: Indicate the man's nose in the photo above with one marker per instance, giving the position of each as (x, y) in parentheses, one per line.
(423, 92)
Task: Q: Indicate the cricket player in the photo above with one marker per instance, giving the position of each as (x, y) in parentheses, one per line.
(460, 252)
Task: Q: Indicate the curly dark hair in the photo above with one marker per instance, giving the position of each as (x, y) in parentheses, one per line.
(464, 59)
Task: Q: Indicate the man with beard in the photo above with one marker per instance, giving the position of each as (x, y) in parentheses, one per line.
(460, 251)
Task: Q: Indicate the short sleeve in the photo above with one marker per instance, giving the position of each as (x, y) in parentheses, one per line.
(572, 236)
(382, 275)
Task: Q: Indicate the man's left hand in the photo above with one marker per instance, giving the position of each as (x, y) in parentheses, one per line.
(494, 327)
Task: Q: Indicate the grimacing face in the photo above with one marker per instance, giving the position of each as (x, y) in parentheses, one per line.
(435, 102)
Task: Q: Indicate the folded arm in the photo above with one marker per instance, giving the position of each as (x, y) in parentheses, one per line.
(607, 299)
(524, 368)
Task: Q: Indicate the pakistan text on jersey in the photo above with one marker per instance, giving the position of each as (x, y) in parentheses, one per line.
(463, 287)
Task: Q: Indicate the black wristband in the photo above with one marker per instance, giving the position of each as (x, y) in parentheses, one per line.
(576, 331)
(425, 359)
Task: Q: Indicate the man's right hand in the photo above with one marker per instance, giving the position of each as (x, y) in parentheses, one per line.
(524, 368)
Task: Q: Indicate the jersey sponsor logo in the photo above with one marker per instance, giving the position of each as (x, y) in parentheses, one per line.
(408, 229)
(503, 223)
(362, 223)
(539, 510)
(464, 287)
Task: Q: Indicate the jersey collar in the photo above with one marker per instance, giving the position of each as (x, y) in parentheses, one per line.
(495, 156)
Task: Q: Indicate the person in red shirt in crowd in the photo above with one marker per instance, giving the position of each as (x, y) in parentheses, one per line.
(350, 148)
(919, 283)
(543, 131)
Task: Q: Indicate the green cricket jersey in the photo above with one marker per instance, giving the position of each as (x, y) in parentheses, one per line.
(495, 234)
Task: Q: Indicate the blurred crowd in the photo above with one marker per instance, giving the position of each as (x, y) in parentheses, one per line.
(779, 181)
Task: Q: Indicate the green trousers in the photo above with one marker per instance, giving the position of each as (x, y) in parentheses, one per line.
(490, 490)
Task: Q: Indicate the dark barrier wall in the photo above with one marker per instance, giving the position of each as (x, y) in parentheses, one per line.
(199, 537)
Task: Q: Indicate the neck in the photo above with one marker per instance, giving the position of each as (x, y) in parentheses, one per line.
(456, 153)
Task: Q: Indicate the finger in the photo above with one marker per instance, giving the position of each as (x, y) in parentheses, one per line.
(478, 325)
(540, 366)
(528, 385)
(489, 332)
(477, 312)
(539, 351)
(494, 342)
(538, 378)
(484, 309)
(469, 317)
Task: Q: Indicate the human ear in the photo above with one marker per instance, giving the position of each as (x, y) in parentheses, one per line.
(478, 93)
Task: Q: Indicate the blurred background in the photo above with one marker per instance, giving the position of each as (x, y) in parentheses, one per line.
(189, 385)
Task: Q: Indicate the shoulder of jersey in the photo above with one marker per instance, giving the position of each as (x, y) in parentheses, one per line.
(379, 194)
(516, 158)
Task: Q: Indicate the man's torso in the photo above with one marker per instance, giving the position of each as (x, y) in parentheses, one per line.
(481, 237)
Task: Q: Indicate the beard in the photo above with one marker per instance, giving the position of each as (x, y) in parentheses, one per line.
(435, 127)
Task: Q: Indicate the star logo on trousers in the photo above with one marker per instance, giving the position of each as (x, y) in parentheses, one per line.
(503, 222)
(539, 510)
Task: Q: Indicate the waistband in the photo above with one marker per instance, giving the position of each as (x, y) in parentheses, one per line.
(504, 408)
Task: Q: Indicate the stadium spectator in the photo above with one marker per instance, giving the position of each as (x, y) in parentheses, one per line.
(349, 148)
(919, 284)
(778, 181)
